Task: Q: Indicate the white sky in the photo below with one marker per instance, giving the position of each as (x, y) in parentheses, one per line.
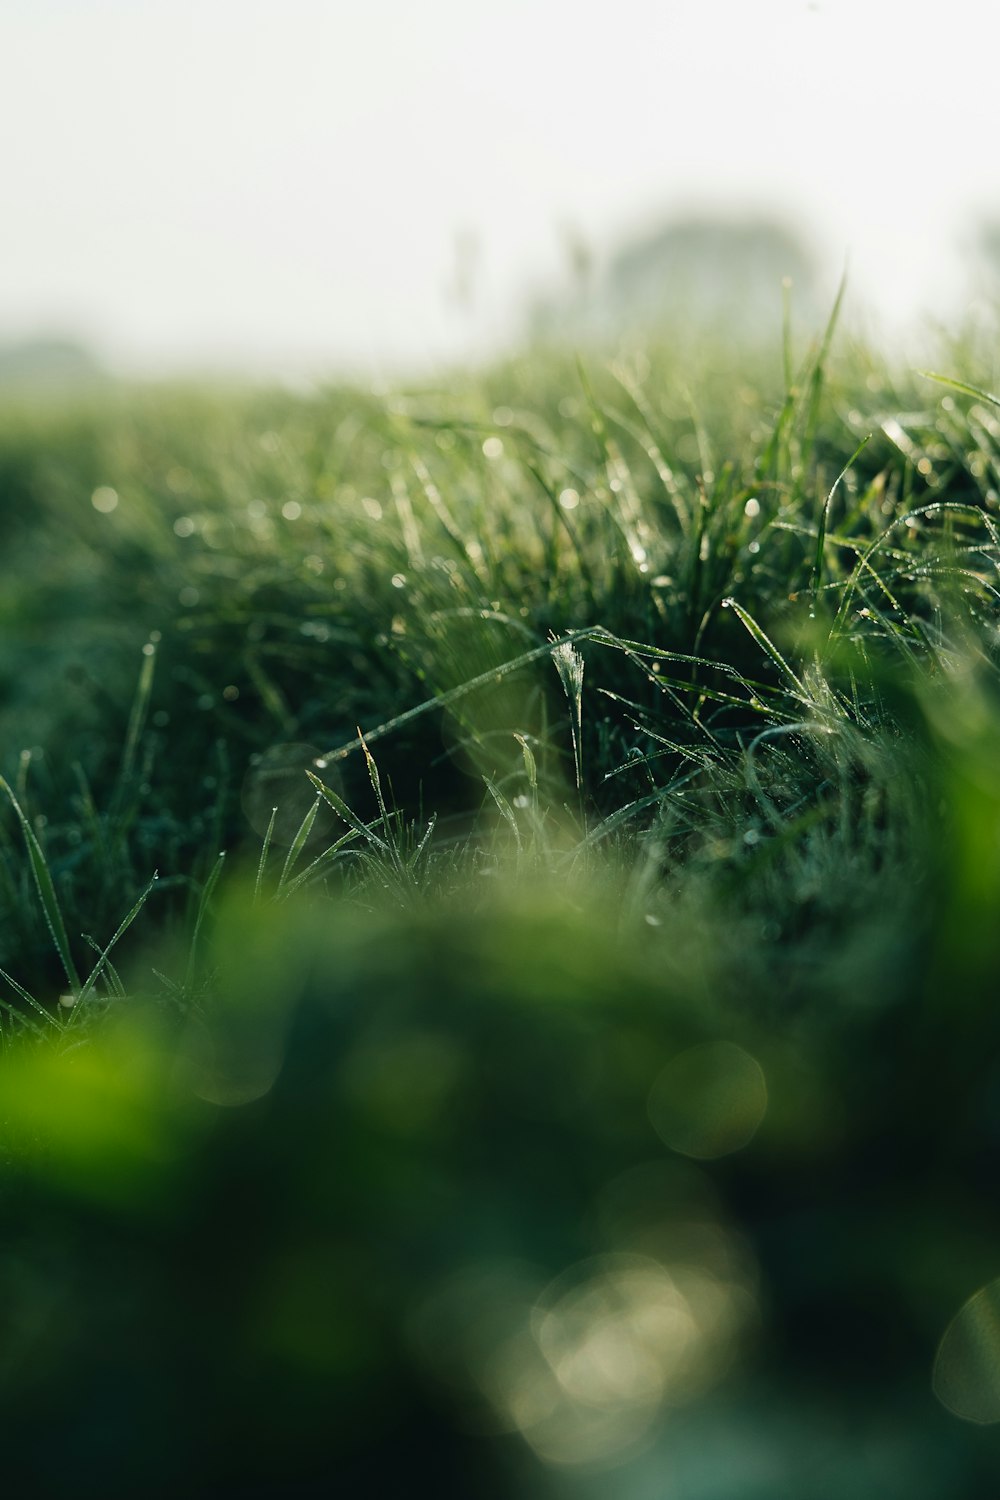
(282, 182)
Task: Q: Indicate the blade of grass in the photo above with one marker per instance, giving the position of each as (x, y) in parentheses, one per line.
(767, 645)
(961, 385)
(29, 1000)
(120, 931)
(206, 896)
(462, 690)
(21, 1019)
(140, 706)
(345, 813)
(315, 865)
(569, 664)
(46, 891)
(113, 977)
(298, 843)
(505, 810)
(825, 516)
(259, 882)
(376, 781)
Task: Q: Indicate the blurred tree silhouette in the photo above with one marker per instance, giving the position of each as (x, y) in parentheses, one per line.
(47, 362)
(707, 271)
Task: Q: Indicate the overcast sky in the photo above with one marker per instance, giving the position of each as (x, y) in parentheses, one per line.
(252, 182)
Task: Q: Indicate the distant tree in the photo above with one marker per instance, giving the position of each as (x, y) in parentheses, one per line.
(710, 268)
(694, 272)
(47, 362)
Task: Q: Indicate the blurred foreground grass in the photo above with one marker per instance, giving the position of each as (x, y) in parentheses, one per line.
(499, 942)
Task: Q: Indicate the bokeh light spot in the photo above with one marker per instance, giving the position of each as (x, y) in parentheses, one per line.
(104, 499)
(709, 1101)
(967, 1368)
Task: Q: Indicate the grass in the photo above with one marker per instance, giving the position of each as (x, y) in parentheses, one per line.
(498, 944)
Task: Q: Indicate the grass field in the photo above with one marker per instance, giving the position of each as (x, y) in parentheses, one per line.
(498, 930)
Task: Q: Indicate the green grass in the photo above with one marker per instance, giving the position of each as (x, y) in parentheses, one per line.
(498, 942)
